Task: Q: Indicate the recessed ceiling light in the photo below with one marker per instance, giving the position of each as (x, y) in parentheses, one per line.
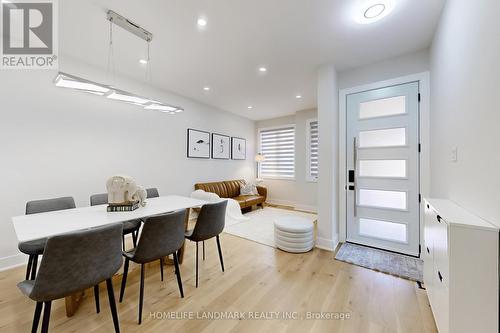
(249, 107)
(298, 96)
(206, 88)
(143, 61)
(262, 69)
(373, 11)
(202, 22)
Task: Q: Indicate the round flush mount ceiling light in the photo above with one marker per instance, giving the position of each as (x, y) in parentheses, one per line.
(262, 69)
(206, 88)
(298, 96)
(373, 10)
(143, 61)
(249, 107)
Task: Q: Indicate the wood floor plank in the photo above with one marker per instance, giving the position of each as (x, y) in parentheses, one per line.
(258, 279)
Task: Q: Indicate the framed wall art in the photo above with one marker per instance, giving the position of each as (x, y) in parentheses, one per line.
(238, 148)
(198, 144)
(221, 145)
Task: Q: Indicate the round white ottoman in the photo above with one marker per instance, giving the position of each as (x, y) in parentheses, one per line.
(294, 234)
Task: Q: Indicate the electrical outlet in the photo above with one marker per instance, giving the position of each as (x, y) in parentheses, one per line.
(454, 154)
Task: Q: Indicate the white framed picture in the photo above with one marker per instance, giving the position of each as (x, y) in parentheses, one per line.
(238, 148)
(198, 144)
(221, 146)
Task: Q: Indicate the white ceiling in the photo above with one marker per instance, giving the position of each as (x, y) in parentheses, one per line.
(292, 38)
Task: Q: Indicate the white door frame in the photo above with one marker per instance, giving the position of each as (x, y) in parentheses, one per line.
(424, 133)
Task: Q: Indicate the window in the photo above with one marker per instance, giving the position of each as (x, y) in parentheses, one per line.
(312, 150)
(278, 146)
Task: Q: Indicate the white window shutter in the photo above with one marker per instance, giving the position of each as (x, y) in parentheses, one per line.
(278, 146)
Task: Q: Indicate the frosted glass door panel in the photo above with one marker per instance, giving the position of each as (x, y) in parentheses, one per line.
(382, 107)
(383, 230)
(391, 137)
(382, 199)
(382, 168)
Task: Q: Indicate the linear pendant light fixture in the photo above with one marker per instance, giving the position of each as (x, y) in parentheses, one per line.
(74, 82)
(65, 80)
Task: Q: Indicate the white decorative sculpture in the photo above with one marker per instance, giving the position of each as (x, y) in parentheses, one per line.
(123, 190)
(140, 195)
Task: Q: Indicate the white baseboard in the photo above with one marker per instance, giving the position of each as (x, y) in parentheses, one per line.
(327, 244)
(307, 208)
(280, 202)
(13, 261)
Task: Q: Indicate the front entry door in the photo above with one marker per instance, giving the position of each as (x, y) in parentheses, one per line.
(383, 168)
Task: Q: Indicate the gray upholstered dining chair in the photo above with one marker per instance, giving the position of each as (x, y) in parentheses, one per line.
(152, 192)
(35, 247)
(129, 227)
(210, 223)
(73, 262)
(161, 236)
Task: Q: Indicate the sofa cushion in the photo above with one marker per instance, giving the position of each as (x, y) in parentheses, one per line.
(218, 188)
(233, 187)
(241, 200)
(253, 200)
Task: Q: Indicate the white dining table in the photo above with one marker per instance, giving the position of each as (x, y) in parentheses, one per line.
(42, 225)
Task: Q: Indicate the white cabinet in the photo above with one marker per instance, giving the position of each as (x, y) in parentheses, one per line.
(460, 268)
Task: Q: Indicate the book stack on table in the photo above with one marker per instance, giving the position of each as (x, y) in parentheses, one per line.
(126, 207)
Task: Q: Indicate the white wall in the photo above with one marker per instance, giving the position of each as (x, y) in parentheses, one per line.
(403, 65)
(328, 124)
(299, 193)
(465, 80)
(59, 142)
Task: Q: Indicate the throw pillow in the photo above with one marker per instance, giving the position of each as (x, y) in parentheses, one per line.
(248, 189)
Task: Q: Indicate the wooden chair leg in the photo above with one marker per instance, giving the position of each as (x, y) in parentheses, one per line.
(36, 317)
(178, 273)
(28, 268)
(196, 264)
(141, 294)
(123, 242)
(112, 305)
(220, 252)
(124, 279)
(96, 296)
(33, 268)
(161, 268)
(46, 316)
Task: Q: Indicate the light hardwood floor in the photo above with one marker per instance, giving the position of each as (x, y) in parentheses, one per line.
(258, 278)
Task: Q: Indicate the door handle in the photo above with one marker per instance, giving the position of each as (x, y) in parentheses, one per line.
(355, 157)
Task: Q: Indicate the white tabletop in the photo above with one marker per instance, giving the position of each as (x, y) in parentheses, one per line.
(35, 226)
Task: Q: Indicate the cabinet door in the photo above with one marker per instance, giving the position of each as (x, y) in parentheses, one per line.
(441, 259)
(428, 251)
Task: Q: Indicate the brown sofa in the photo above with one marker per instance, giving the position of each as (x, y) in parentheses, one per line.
(231, 189)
